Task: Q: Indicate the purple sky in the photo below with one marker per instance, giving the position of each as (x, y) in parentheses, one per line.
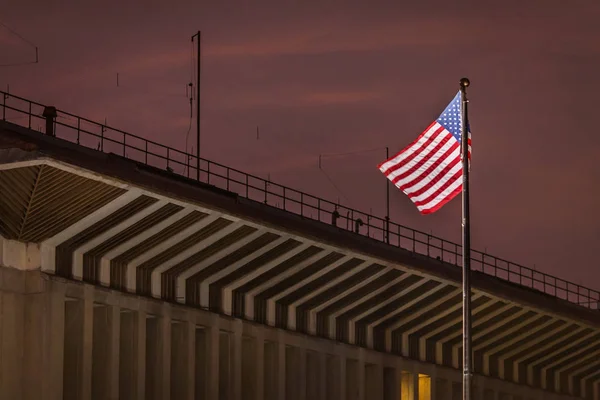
(335, 77)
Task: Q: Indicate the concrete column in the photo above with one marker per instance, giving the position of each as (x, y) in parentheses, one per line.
(352, 379)
(490, 394)
(314, 373)
(270, 372)
(73, 349)
(132, 355)
(302, 377)
(88, 337)
(105, 352)
(212, 360)
(164, 364)
(295, 373)
(201, 363)
(433, 382)
(11, 345)
(225, 365)
(478, 390)
(321, 361)
(416, 385)
(179, 360)
(52, 343)
(46, 355)
(158, 357)
(342, 365)
(249, 368)
(391, 384)
(280, 368)
(335, 377)
(236, 361)
(373, 381)
(140, 357)
(456, 390)
(114, 316)
(361, 376)
(77, 377)
(189, 358)
(259, 373)
(442, 390)
(504, 396)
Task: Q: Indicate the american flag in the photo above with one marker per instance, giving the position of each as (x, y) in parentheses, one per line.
(429, 171)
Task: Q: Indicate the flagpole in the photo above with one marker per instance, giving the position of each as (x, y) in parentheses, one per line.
(466, 247)
(387, 201)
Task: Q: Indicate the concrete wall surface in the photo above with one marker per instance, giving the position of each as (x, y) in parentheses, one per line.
(62, 339)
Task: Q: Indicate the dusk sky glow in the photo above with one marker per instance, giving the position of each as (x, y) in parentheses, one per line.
(344, 76)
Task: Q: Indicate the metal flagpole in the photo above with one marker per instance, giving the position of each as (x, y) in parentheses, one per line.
(387, 201)
(466, 247)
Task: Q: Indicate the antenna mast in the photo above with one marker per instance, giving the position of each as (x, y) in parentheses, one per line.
(198, 108)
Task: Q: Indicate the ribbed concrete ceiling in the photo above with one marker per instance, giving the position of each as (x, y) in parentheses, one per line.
(39, 201)
(142, 242)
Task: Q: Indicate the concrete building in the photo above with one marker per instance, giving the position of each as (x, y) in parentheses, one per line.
(121, 278)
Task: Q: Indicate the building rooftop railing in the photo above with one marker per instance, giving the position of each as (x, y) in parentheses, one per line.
(101, 137)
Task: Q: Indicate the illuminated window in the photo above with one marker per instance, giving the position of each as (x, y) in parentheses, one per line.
(424, 387)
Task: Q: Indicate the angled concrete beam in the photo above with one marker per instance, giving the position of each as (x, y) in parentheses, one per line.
(122, 248)
(429, 307)
(292, 316)
(352, 321)
(312, 314)
(166, 244)
(548, 354)
(228, 290)
(96, 241)
(371, 326)
(510, 342)
(278, 278)
(423, 339)
(483, 332)
(312, 324)
(205, 284)
(184, 276)
(48, 246)
(164, 267)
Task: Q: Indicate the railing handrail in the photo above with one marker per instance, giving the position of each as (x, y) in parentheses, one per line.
(573, 292)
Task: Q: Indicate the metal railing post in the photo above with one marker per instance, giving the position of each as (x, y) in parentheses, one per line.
(78, 128)
(101, 137)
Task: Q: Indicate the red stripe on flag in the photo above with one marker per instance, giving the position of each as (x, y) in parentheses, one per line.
(424, 160)
(442, 202)
(436, 178)
(405, 149)
(450, 181)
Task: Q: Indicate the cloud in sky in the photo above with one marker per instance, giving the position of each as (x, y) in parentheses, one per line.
(341, 76)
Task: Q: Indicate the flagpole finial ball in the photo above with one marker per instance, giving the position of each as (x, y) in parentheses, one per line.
(464, 82)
